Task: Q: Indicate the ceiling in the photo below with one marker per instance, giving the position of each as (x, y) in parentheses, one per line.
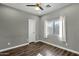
(23, 7)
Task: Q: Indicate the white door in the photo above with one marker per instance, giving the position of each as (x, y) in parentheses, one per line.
(31, 29)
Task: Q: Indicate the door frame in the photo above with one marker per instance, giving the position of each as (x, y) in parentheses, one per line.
(34, 33)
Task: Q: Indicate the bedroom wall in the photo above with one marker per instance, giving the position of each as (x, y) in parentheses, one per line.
(71, 14)
(14, 26)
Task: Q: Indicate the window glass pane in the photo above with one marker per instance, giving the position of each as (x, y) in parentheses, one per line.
(56, 27)
(53, 27)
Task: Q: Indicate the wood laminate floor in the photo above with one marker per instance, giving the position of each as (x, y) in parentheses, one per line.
(37, 49)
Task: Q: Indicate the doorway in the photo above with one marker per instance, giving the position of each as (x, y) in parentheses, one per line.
(31, 30)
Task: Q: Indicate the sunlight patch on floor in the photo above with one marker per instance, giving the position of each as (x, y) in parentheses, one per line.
(39, 54)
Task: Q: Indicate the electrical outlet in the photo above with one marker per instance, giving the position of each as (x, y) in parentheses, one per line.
(9, 43)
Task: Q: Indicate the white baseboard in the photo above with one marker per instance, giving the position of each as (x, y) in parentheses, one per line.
(41, 41)
(13, 47)
(73, 51)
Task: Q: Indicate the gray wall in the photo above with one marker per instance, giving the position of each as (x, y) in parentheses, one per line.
(14, 26)
(71, 13)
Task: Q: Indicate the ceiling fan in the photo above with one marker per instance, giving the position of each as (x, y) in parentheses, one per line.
(37, 5)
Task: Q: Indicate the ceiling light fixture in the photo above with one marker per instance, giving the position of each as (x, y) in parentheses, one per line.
(37, 8)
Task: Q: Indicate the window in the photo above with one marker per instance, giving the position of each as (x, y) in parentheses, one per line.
(55, 27)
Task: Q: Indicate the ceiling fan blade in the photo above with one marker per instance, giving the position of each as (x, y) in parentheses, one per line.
(40, 7)
(30, 5)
